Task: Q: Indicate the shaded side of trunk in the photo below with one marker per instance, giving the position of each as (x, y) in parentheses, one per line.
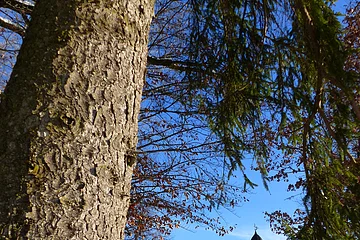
(68, 120)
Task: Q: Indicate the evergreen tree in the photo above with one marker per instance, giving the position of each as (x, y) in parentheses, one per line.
(68, 129)
(267, 77)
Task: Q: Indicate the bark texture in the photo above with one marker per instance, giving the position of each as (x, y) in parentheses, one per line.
(68, 120)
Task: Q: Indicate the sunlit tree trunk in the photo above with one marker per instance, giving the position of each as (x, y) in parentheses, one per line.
(68, 120)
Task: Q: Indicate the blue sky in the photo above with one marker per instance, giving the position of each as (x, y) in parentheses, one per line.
(251, 213)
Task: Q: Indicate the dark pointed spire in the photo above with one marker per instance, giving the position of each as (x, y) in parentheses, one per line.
(256, 237)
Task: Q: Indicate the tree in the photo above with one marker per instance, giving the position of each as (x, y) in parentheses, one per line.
(148, 208)
(68, 144)
(301, 60)
(181, 173)
(278, 78)
(268, 77)
(331, 170)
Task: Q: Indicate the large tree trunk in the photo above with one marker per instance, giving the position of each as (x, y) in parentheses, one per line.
(68, 120)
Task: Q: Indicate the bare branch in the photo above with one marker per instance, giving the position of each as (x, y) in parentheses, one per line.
(174, 64)
(5, 23)
(20, 6)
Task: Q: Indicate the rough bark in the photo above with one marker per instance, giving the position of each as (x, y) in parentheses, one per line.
(68, 120)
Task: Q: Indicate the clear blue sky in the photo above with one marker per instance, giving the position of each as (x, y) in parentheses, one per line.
(248, 214)
(251, 212)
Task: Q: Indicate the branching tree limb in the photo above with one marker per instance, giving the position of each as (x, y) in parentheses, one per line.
(12, 26)
(20, 6)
